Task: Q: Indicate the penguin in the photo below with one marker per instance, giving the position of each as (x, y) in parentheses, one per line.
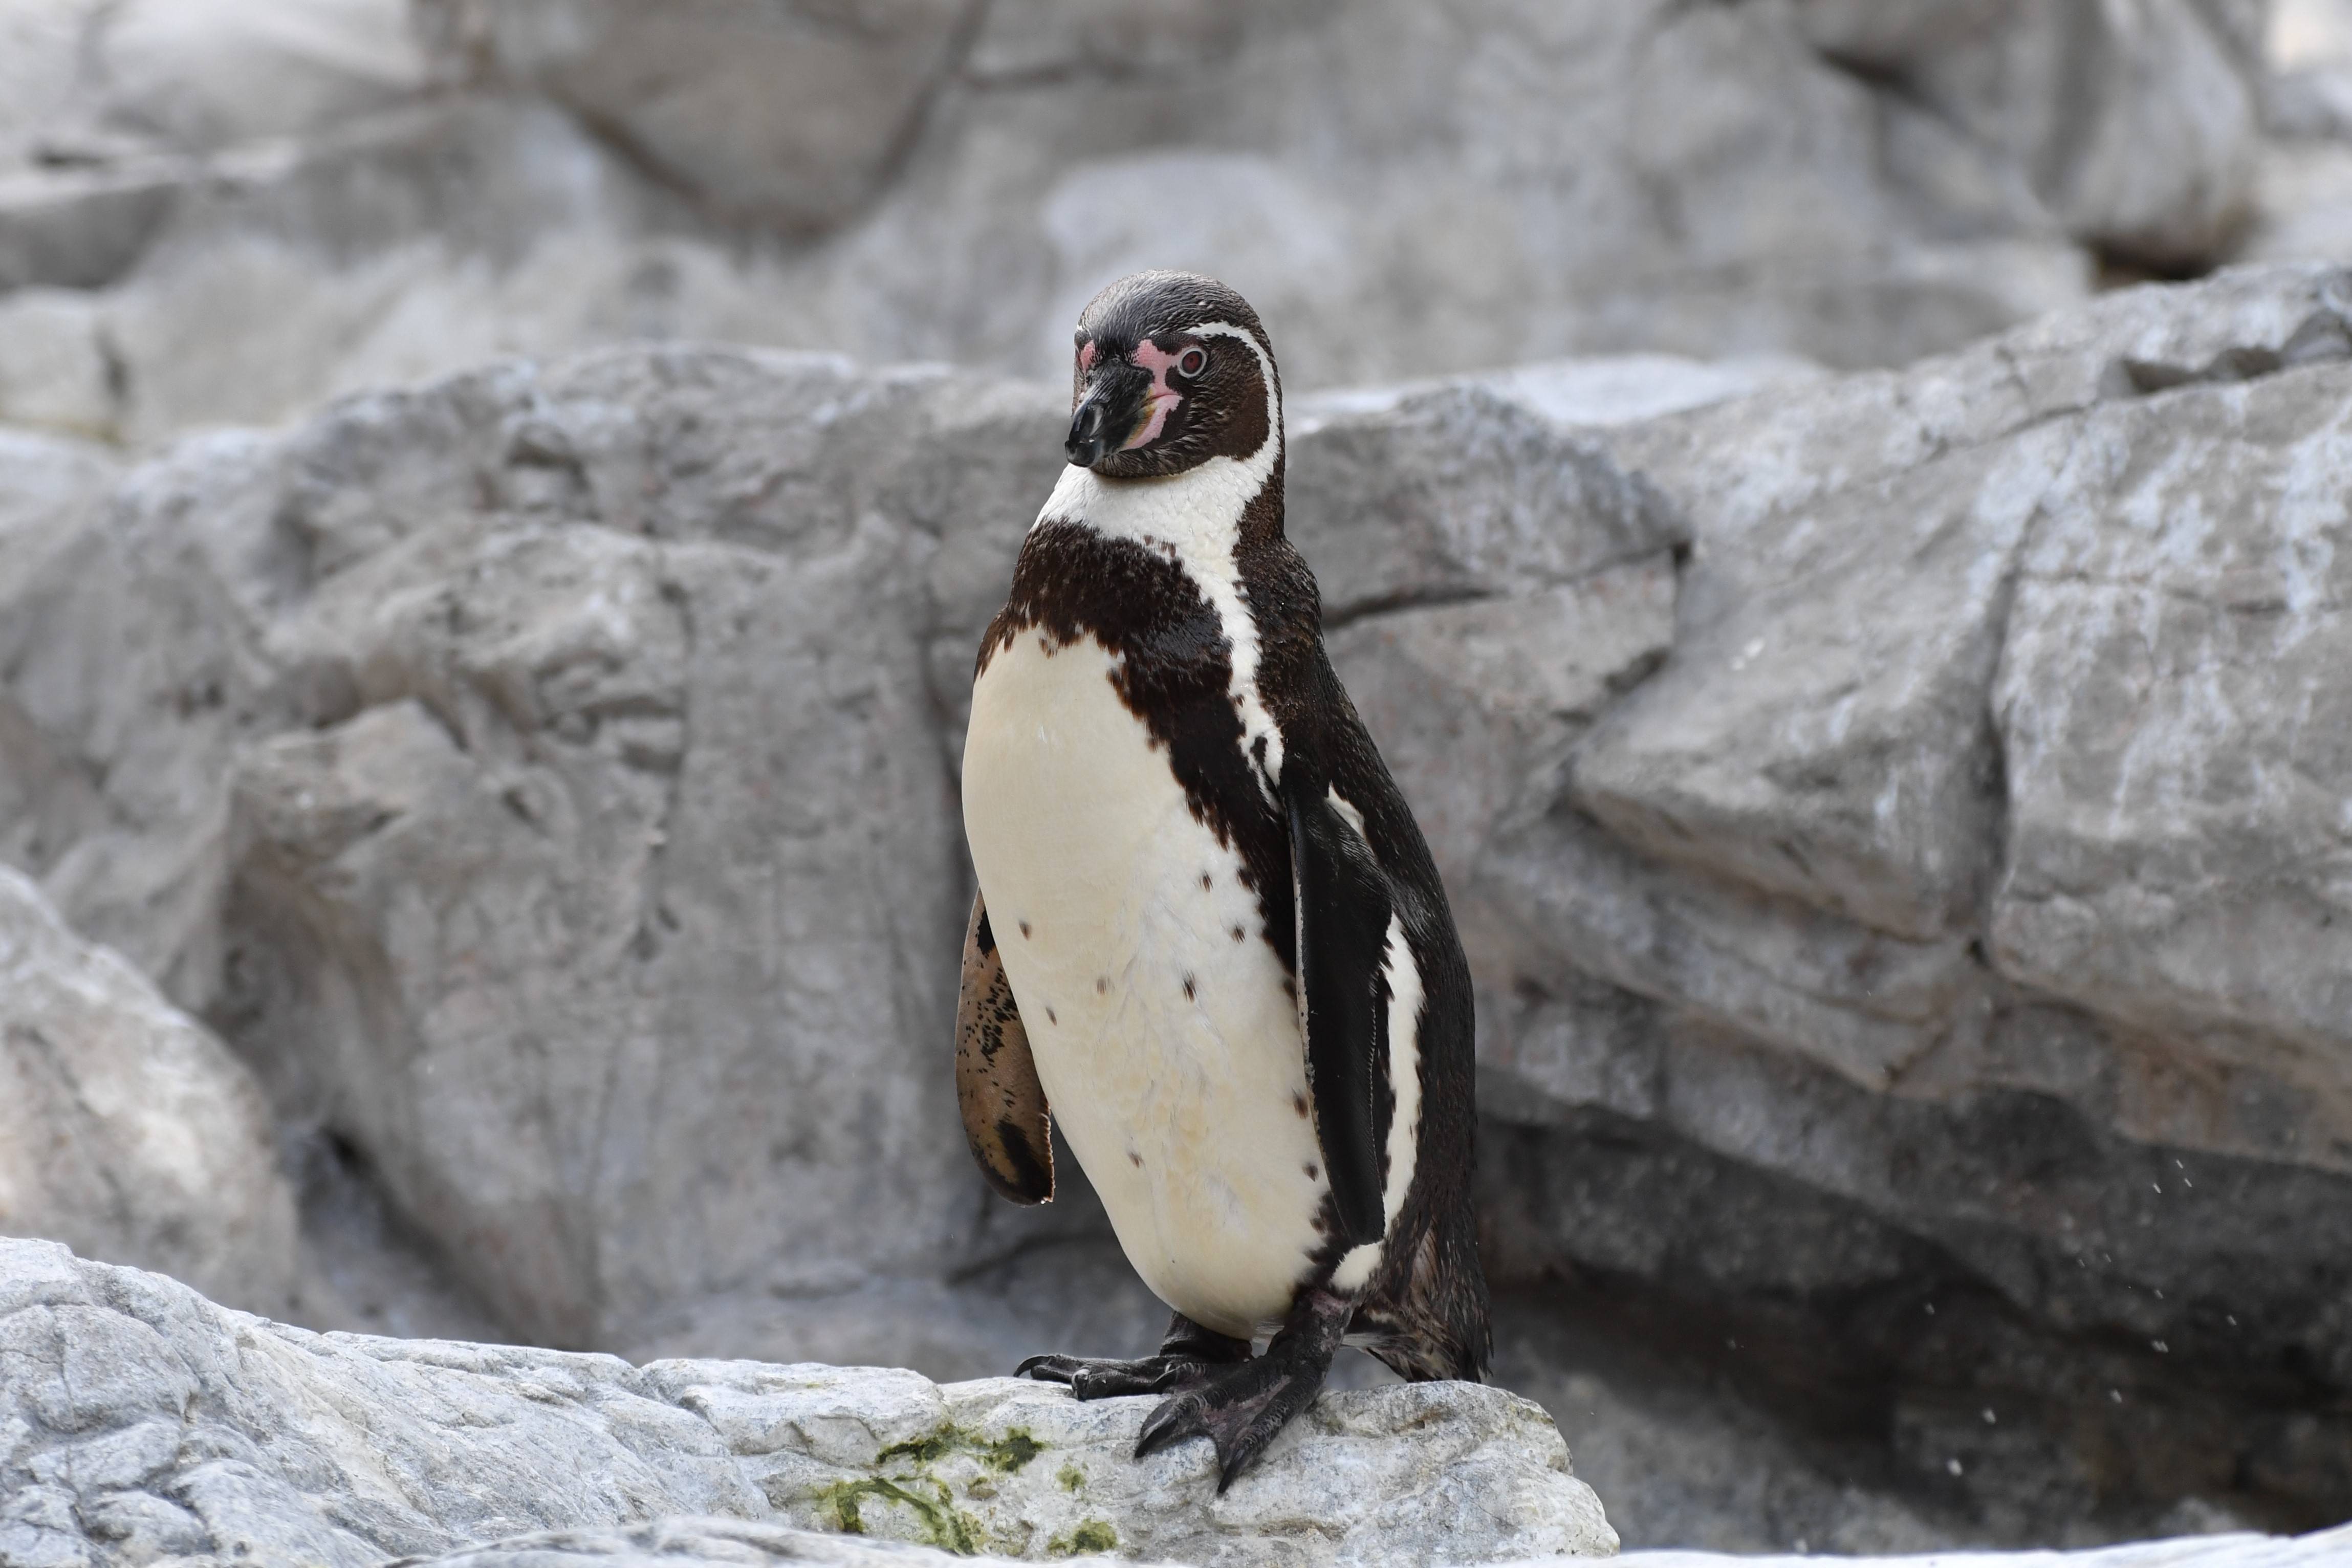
(1209, 939)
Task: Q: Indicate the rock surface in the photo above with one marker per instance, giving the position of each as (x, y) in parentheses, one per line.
(2234, 1550)
(1409, 188)
(673, 1542)
(147, 1421)
(794, 114)
(125, 1128)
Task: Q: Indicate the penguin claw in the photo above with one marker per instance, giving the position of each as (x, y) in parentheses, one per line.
(1239, 1412)
(1171, 1421)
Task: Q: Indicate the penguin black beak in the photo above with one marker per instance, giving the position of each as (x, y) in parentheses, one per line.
(1112, 406)
(1086, 444)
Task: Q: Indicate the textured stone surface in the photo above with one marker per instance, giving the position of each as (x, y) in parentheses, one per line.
(2157, 177)
(146, 1419)
(1884, 770)
(126, 1129)
(1881, 887)
(51, 491)
(1406, 188)
(201, 75)
(2230, 1550)
(2178, 735)
(695, 1540)
(792, 114)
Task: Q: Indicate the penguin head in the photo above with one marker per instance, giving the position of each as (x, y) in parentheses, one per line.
(1171, 369)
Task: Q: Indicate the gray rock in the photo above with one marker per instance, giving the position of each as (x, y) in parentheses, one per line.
(2304, 201)
(696, 1541)
(52, 492)
(2157, 177)
(1458, 493)
(218, 73)
(148, 1418)
(792, 114)
(2176, 733)
(126, 1129)
(1403, 192)
(674, 1541)
(54, 376)
(2235, 1549)
(652, 720)
(1861, 764)
(43, 83)
(2014, 583)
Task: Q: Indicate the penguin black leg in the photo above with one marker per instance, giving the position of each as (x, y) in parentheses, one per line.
(1242, 1408)
(1189, 1354)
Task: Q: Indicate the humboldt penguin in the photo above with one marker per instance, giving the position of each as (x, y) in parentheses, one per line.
(1209, 938)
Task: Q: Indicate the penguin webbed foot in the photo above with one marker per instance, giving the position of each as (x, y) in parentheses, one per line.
(1189, 1354)
(1102, 1379)
(1240, 1407)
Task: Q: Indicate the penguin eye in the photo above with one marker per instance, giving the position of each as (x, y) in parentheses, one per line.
(1192, 362)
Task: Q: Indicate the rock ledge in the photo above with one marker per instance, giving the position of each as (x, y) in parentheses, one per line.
(138, 1422)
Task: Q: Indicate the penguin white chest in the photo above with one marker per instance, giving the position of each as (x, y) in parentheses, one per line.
(1163, 1028)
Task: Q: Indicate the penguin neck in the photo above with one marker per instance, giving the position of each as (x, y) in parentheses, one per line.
(1202, 515)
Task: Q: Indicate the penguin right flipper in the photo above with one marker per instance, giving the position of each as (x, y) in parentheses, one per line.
(1005, 1119)
(1343, 902)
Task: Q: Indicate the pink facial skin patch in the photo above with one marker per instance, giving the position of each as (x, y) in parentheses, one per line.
(1159, 399)
(1087, 356)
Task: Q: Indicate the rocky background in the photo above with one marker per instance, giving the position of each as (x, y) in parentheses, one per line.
(485, 852)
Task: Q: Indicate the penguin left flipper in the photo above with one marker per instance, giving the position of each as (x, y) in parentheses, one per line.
(1006, 1117)
(1343, 902)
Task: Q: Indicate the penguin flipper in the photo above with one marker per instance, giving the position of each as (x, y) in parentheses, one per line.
(1343, 902)
(1005, 1119)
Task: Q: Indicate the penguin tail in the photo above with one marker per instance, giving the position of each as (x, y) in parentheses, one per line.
(1428, 1322)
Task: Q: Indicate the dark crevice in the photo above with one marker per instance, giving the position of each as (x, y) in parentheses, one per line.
(949, 71)
(2325, 336)
(391, 1274)
(1873, 1344)
(2123, 266)
(1402, 600)
(1408, 599)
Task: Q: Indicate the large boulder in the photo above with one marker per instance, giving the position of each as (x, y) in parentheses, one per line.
(1951, 922)
(203, 75)
(561, 755)
(151, 1421)
(2138, 126)
(1890, 771)
(790, 115)
(52, 492)
(126, 1130)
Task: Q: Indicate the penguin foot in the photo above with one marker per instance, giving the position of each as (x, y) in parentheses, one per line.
(1239, 1408)
(1188, 1355)
(1092, 1379)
